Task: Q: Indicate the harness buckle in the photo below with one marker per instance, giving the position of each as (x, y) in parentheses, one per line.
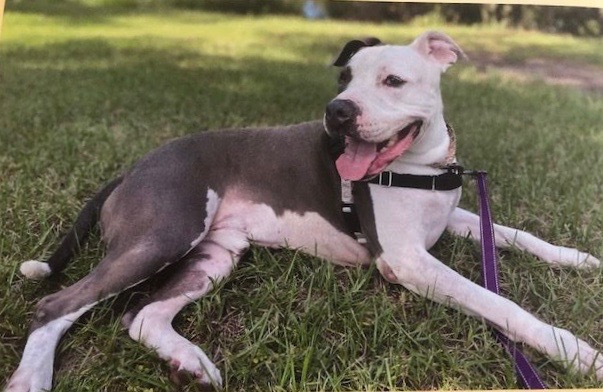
(389, 178)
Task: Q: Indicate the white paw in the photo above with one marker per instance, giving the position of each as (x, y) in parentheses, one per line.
(34, 269)
(191, 362)
(24, 381)
(574, 258)
(573, 352)
(588, 261)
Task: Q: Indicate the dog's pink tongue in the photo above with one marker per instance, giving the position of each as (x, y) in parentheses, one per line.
(355, 161)
(389, 155)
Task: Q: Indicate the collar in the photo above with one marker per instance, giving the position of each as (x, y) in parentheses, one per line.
(451, 156)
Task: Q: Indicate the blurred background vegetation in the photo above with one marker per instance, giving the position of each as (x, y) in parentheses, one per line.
(578, 21)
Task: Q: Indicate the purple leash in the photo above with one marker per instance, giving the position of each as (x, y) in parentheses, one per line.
(526, 373)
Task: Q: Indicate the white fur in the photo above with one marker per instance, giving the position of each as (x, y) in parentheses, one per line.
(34, 373)
(238, 221)
(153, 324)
(34, 269)
(212, 206)
(385, 110)
(466, 224)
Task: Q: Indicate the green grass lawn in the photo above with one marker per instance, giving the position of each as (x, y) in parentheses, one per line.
(85, 91)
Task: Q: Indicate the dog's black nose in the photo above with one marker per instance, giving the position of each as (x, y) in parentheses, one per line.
(340, 115)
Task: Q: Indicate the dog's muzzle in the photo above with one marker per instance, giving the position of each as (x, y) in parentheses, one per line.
(340, 117)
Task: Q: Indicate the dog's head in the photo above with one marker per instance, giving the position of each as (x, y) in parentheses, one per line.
(388, 96)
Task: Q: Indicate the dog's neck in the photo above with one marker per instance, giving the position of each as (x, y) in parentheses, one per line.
(433, 148)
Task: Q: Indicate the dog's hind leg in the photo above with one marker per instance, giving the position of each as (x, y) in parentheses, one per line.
(209, 263)
(55, 313)
(466, 224)
(35, 370)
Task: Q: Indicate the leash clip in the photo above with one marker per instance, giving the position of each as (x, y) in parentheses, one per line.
(455, 168)
(473, 173)
(459, 170)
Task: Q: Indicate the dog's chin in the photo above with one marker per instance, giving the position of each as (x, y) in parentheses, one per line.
(363, 159)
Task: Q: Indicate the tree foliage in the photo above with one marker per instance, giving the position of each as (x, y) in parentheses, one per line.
(573, 20)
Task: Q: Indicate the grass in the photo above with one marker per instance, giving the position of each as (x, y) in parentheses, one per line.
(88, 90)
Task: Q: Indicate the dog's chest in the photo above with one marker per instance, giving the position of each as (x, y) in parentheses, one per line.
(409, 217)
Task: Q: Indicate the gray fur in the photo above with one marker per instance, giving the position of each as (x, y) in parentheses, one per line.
(151, 218)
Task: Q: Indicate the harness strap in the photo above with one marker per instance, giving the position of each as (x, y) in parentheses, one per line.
(350, 214)
(442, 182)
(352, 222)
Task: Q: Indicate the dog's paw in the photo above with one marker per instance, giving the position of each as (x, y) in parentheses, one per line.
(573, 352)
(191, 363)
(23, 381)
(570, 257)
(587, 359)
(589, 261)
(574, 258)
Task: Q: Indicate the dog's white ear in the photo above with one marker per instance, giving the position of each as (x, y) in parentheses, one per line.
(438, 47)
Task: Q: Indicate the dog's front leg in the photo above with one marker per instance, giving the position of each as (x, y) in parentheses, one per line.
(423, 274)
(466, 224)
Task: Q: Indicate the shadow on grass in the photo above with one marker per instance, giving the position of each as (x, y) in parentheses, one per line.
(81, 12)
(92, 81)
(75, 11)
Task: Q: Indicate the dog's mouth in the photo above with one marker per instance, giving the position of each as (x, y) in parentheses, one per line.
(362, 159)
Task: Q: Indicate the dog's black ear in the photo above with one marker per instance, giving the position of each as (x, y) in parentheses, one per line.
(352, 47)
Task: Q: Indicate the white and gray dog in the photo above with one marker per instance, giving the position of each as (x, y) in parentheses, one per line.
(200, 201)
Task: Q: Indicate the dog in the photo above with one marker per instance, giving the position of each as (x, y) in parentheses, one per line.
(198, 202)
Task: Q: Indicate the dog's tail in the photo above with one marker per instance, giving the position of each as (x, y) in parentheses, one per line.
(74, 239)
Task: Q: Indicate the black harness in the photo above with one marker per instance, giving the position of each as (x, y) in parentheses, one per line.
(448, 181)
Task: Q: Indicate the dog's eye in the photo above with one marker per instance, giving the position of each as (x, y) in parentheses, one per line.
(394, 81)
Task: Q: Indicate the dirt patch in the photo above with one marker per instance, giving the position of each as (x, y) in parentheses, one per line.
(564, 72)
